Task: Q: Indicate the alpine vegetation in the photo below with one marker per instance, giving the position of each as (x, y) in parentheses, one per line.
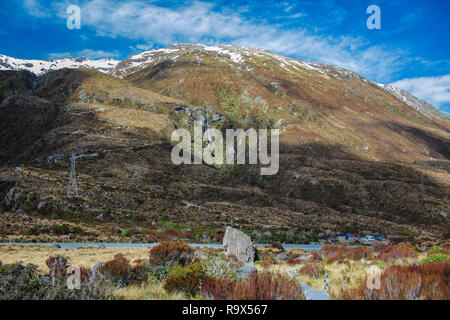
(213, 152)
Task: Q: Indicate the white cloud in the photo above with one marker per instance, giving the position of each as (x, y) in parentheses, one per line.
(202, 22)
(435, 90)
(97, 54)
(35, 9)
(88, 53)
(59, 55)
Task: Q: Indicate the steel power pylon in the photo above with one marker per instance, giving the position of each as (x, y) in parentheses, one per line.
(72, 190)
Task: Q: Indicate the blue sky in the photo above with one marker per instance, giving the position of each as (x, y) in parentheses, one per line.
(410, 50)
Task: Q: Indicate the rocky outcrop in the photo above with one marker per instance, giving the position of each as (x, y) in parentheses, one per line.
(281, 257)
(246, 270)
(239, 245)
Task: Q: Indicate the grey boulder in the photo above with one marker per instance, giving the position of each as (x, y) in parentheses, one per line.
(239, 245)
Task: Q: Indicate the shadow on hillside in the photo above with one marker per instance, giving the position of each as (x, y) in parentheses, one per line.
(433, 142)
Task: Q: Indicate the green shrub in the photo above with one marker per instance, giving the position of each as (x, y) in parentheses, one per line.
(65, 229)
(436, 258)
(160, 272)
(107, 175)
(188, 279)
(435, 249)
(219, 268)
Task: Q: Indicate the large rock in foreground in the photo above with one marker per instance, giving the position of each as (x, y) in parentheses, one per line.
(238, 244)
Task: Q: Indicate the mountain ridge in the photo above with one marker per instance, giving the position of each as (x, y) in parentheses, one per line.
(40, 67)
(236, 54)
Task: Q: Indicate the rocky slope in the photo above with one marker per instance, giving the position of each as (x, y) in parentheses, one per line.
(354, 158)
(242, 58)
(420, 105)
(309, 102)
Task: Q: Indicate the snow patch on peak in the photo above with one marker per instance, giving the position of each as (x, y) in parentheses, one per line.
(241, 56)
(422, 106)
(40, 67)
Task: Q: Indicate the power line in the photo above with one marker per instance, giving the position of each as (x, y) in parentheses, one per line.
(72, 190)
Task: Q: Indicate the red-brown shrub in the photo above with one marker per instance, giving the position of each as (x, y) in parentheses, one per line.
(85, 274)
(293, 261)
(358, 253)
(339, 253)
(379, 247)
(118, 267)
(337, 257)
(331, 250)
(171, 235)
(219, 289)
(315, 270)
(267, 263)
(218, 236)
(57, 265)
(171, 252)
(315, 256)
(430, 281)
(257, 286)
(401, 250)
(151, 236)
(119, 270)
(446, 247)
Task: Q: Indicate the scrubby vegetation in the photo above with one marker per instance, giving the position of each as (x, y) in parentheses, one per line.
(171, 252)
(25, 282)
(314, 270)
(428, 281)
(401, 250)
(175, 270)
(188, 280)
(383, 252)
(257, 286)
(121, 273)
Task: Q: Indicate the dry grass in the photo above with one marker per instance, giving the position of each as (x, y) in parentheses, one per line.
(86, 257)
(148, 291)
(342, 274)
(136, 118)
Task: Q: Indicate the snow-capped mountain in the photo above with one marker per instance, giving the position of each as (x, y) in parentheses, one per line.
(420, 105)
(244, 59)
(43, 66)
(241, 59)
